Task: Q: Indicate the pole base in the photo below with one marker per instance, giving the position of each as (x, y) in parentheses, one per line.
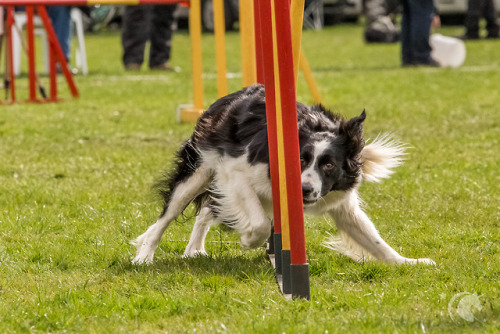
(299, 274)
(277, 253)
(270, 243)
(285, 262)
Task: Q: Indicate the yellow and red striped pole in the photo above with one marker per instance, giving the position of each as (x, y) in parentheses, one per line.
(284, 155)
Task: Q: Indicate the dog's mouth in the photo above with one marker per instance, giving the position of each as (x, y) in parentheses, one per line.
(307, 202)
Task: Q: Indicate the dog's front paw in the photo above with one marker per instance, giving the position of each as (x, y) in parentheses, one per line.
(141, 259)
(144, 255)
(194, 253)
(426, 261)
(418, 261)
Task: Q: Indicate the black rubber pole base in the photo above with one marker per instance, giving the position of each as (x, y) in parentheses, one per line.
(285, 262)
(270, 243)
(299, 276)
(277, 253)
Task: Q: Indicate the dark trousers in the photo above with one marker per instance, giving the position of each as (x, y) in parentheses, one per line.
(476, 10)
(415, 31)
(61, 22)
(147, 22)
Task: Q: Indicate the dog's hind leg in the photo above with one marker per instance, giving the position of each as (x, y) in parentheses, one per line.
(360, 238)
(181, 196)
(196, 245)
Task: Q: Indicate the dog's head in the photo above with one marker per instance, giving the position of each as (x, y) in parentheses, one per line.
(330, 156)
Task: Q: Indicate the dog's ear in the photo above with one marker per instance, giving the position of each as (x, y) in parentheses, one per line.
(355, 124)
(352, 130)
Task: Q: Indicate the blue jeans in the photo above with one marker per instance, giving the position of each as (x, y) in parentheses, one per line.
(61, 21)
(415, 31)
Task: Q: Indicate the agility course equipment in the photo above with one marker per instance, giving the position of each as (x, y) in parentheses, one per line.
(284, 158)
(278, 71)
(251, 65)
(55, 55)
(262, 63)
(55, 52)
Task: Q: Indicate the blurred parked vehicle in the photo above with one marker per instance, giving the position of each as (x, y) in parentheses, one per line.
(342, 10)
(334, 11)
(454, 11)
(458, 7)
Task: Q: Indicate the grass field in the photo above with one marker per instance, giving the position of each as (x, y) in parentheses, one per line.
(75, 188)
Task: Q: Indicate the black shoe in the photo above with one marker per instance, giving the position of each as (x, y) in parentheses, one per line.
(431, 63)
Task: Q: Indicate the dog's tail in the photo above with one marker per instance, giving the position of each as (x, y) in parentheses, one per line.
(380, 157)
(188, 160)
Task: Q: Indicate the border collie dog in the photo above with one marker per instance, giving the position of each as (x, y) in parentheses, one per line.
(223, 168)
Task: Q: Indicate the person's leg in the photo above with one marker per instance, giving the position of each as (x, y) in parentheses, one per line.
(419, 25)
(472, 19)
(405, 35)
(161, 35)
(61, 21)
(490, 14)
(379, 26)
(134, 34)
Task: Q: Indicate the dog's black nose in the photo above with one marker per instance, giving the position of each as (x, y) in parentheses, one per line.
(307, 189)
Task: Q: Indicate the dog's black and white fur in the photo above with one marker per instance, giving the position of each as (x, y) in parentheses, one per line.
(224, 169)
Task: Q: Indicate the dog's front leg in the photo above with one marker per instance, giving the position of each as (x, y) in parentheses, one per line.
(357, 231)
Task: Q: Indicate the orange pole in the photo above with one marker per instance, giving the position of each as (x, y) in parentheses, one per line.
(220, 46)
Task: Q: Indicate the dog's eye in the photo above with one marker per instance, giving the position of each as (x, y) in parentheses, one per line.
(304, 159)
(328, 166)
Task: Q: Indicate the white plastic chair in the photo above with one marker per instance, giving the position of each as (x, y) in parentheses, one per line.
(313, 15)
(80, 51)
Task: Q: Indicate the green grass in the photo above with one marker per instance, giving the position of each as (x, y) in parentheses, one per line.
(75, 188)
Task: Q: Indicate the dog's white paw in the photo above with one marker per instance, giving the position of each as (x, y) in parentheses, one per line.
(145, 254)
(143, 259)
(426, 261)
(418, 261)
(194, 253)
